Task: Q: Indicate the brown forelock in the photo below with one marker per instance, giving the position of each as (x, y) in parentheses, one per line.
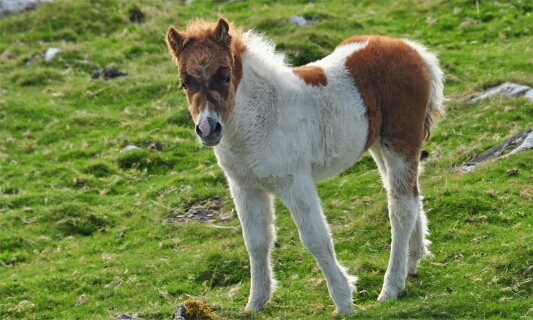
(201, 48)
(394, 83)
(312, 75)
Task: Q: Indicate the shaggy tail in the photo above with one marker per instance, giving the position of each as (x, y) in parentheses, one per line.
(435, 107)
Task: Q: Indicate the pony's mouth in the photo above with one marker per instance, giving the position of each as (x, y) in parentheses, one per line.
(210, 143)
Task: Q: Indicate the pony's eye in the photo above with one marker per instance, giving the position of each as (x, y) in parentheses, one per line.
(228, 79)
(184, 87)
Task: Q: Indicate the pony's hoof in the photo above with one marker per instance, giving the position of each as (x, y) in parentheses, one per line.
(254, 307)
(345, 309)
(385, 296)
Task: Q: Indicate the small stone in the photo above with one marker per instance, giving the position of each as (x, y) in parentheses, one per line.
(51, 53)
(299, 20)
(126, 316)
(130, 147)
(108, 73)
(181, 313)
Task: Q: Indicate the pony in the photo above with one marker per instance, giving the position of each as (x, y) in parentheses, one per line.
(277, 129)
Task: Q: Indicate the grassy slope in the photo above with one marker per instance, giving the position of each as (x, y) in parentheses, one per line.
(81, 232)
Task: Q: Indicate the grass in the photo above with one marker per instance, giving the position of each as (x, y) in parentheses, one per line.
(81, 231)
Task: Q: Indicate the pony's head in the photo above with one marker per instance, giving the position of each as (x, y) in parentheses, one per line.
(209, 71)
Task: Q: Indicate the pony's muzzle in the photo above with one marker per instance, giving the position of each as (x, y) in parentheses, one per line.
(209, 131)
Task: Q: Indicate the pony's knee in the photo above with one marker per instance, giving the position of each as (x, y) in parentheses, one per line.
(318, 242)
(257, 245)
(403, 208)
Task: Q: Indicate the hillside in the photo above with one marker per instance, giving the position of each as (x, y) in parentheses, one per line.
(82, 232)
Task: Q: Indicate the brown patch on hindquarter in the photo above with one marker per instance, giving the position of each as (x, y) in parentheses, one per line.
(394, 83)
(312, 75)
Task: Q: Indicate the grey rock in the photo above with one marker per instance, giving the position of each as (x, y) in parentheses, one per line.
(128, 316)
(526, 144)
(108, 73)
(51, 53)
(181, 313)
(299, 20)
(127, 148)
(15, 6)
(520, 142)
(507, 88)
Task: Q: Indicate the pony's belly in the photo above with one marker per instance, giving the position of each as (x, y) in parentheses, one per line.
(344, 140)
(338, 165)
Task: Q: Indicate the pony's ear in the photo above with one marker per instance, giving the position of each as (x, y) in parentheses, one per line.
(222, 32)
(174, 41)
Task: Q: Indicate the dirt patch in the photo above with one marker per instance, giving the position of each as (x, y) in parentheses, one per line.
(204, 211)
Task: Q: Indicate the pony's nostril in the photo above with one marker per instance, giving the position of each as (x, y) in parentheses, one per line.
(218, 128)
(198, 131)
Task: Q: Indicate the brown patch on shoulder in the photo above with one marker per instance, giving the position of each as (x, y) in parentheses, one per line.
(394, 83)
(312, 75)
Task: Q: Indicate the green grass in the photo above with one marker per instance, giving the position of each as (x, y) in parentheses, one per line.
(81, 223)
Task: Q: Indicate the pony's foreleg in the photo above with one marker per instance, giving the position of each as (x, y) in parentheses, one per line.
(302, 200)
(255, 211)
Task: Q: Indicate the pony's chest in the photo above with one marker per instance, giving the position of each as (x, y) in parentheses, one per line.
(247, 171)
(236, 166)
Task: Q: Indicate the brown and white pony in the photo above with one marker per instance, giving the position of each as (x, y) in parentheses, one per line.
(277, 129)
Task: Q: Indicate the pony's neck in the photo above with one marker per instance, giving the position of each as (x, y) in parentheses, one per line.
(264, 78)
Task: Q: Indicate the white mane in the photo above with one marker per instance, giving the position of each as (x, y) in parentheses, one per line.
(263, 51)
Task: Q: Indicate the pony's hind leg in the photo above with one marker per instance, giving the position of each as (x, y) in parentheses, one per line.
(302, 200)
(256, 214)
(418, 244)
(400, 174)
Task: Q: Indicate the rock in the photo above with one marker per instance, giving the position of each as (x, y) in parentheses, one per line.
(526, 144)
(126, 316)
(10, 6)
(108, 73)
(299, 20)
(529, 95)
(519, 142)
(127, 148)
(199, 214)
(51, 53)
(507, 88)
(181, 313)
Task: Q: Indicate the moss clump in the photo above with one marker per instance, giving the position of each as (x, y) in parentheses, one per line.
(198, 309)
